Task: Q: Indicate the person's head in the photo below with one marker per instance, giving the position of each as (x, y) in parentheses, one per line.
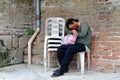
(71, 22)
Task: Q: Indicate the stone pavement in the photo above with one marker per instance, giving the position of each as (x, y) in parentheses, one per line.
(36, 72)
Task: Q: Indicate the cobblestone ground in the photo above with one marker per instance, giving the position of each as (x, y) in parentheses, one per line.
(36, 72)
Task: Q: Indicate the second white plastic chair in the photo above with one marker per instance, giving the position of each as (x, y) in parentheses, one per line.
(54, 32)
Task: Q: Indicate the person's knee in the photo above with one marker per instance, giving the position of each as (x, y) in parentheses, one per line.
(72, 49)
(59, 49)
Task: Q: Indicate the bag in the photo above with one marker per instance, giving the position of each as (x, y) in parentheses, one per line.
(69, 39)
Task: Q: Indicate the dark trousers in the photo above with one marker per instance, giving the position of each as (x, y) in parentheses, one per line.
(65, 54)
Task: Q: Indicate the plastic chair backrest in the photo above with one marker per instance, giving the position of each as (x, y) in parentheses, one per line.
(54, 26)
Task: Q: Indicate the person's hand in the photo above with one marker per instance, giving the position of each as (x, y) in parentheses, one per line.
(75, 33)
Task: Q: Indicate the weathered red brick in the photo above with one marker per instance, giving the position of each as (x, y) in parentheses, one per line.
(96, 56)
(101, 65)
(115, 57)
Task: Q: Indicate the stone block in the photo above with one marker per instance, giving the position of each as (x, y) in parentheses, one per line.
(16, 56)
(15, 42)
(7, 40)
(23, 40)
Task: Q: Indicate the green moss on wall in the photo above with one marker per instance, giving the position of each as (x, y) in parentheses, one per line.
(4, 57)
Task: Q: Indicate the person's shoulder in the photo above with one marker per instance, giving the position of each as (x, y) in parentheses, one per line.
(84, 23)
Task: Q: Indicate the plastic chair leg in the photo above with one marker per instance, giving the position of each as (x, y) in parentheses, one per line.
(88, 54)
(45, 60)
(78, 61)
(48, 60)
(45, 64)
(82, 59)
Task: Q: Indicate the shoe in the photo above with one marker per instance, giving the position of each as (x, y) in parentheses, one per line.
(58, 70)
(57, 74)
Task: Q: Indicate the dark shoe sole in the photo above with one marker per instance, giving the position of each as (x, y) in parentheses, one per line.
(56, 76)
(58, 70)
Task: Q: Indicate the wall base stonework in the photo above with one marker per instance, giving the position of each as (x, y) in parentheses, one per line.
(15, 17)
(4, 56)
(16, 56)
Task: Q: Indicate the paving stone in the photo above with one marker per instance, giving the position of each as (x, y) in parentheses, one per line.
(114, 78)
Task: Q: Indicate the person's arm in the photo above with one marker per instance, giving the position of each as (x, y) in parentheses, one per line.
(70, 32)
(75, 33)
(84, 29)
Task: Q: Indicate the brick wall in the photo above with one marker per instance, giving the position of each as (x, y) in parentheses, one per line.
(102, 16)
(105, 55)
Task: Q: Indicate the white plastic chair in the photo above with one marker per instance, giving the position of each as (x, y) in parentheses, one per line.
(81, 59)
(54, 32)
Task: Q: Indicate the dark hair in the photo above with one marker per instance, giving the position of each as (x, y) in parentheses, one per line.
(70, 21)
